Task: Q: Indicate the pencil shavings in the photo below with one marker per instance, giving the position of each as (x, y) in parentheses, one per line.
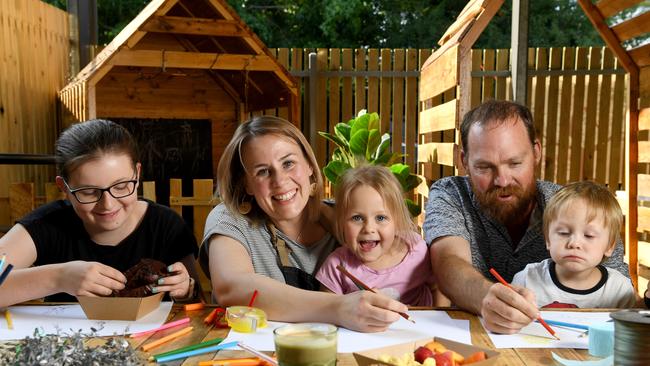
(69, 350)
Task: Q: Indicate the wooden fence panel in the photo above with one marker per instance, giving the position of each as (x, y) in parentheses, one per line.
(591, 114)
(564, 123)
(334, 95)
(34, 38)
(538, 101)
(347, 97)
(360, 91)
(397, 130)
(577, 114)
(411, 114)
(550, 143)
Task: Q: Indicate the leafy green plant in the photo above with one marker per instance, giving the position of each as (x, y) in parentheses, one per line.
(359, 141)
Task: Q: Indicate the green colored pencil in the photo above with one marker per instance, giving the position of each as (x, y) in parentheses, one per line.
(185, 349)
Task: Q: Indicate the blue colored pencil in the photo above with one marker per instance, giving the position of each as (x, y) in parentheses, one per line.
(6, 273)
(565, 324)
(2, 261)
(196, 352)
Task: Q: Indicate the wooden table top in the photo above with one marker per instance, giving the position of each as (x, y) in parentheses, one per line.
(201, 333)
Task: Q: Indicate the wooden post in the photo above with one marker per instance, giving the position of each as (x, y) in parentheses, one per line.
(313, 92)
(519, 50)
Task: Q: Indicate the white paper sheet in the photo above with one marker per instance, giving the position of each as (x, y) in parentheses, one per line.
(535, 336)
(428, 323)
(71, 318)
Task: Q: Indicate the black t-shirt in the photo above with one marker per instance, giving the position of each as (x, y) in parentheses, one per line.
(59, 236)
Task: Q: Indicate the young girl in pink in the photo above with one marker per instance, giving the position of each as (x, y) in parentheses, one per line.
(380, 244)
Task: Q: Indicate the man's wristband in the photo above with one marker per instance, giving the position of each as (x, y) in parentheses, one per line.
(646, 299)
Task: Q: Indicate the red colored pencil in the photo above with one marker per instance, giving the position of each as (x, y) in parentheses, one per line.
(539, 318)
(363, 286)
(250, 303)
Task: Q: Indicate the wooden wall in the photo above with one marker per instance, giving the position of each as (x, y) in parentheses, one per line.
(33, 67)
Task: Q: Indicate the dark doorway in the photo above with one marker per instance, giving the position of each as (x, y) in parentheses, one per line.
(172, 148)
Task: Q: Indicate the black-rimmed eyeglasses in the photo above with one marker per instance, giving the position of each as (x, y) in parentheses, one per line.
(93, 194)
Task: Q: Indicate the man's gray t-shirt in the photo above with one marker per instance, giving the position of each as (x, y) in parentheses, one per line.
(256, 239)
(452, 210)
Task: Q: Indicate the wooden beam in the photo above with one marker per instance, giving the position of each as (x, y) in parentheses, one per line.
(196, 26)
(598, 21)
(633, 27)
(193, 60)
(439, 118)
(439, 75)
(471, 35)
(519, 50)
(641, 55)
(610, 7)
(631, 176)
(437, 152)
(644, 119)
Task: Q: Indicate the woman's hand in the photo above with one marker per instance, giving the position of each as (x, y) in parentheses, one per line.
(178, 283)
(81, 278)
(368, 312)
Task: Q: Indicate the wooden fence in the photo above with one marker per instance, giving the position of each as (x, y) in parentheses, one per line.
(576, 96)
(33, 67)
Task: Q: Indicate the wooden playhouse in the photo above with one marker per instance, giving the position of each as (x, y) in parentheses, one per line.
(182, 60)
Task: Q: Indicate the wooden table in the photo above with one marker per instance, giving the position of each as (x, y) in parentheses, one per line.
(510, 357)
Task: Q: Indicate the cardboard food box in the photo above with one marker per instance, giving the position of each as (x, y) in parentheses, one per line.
(119, 308)
(371, 357)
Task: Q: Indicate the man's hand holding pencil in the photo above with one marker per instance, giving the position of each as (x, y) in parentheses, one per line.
(508, 308)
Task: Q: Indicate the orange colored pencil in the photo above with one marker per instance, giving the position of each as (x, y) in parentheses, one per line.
(365, 287)
(250, 361)
(195, 306)
(166, 339)
(539, 318)
(210, 318)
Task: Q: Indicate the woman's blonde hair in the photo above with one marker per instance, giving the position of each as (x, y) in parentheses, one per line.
(598, 199)
(231, 175)
(386, 184)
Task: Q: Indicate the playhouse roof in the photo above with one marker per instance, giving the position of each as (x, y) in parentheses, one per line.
(196, 35)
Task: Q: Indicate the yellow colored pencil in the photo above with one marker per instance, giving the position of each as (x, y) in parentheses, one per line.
(166, 339)
(10, 323)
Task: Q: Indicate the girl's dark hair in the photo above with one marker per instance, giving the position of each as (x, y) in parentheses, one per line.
(89, 140)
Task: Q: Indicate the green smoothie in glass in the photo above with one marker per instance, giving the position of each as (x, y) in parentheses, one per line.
(306, 344)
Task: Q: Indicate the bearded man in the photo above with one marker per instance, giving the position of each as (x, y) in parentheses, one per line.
(492, 218)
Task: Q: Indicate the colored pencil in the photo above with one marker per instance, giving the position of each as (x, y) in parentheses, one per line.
(363, 286)
(539, 318)
(211, 342)
(250, 303)
(259, 354)
(195, 306)
(162, 327)
(210, 318)
(251, 361)
(166, 339)
(10, 323)
(196, 352)
(566, 324)
(2, 261)
(4, 274)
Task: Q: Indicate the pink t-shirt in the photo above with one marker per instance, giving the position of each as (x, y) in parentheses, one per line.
(409, 281)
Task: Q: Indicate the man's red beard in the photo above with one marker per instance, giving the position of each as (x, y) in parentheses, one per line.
(506, 212)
